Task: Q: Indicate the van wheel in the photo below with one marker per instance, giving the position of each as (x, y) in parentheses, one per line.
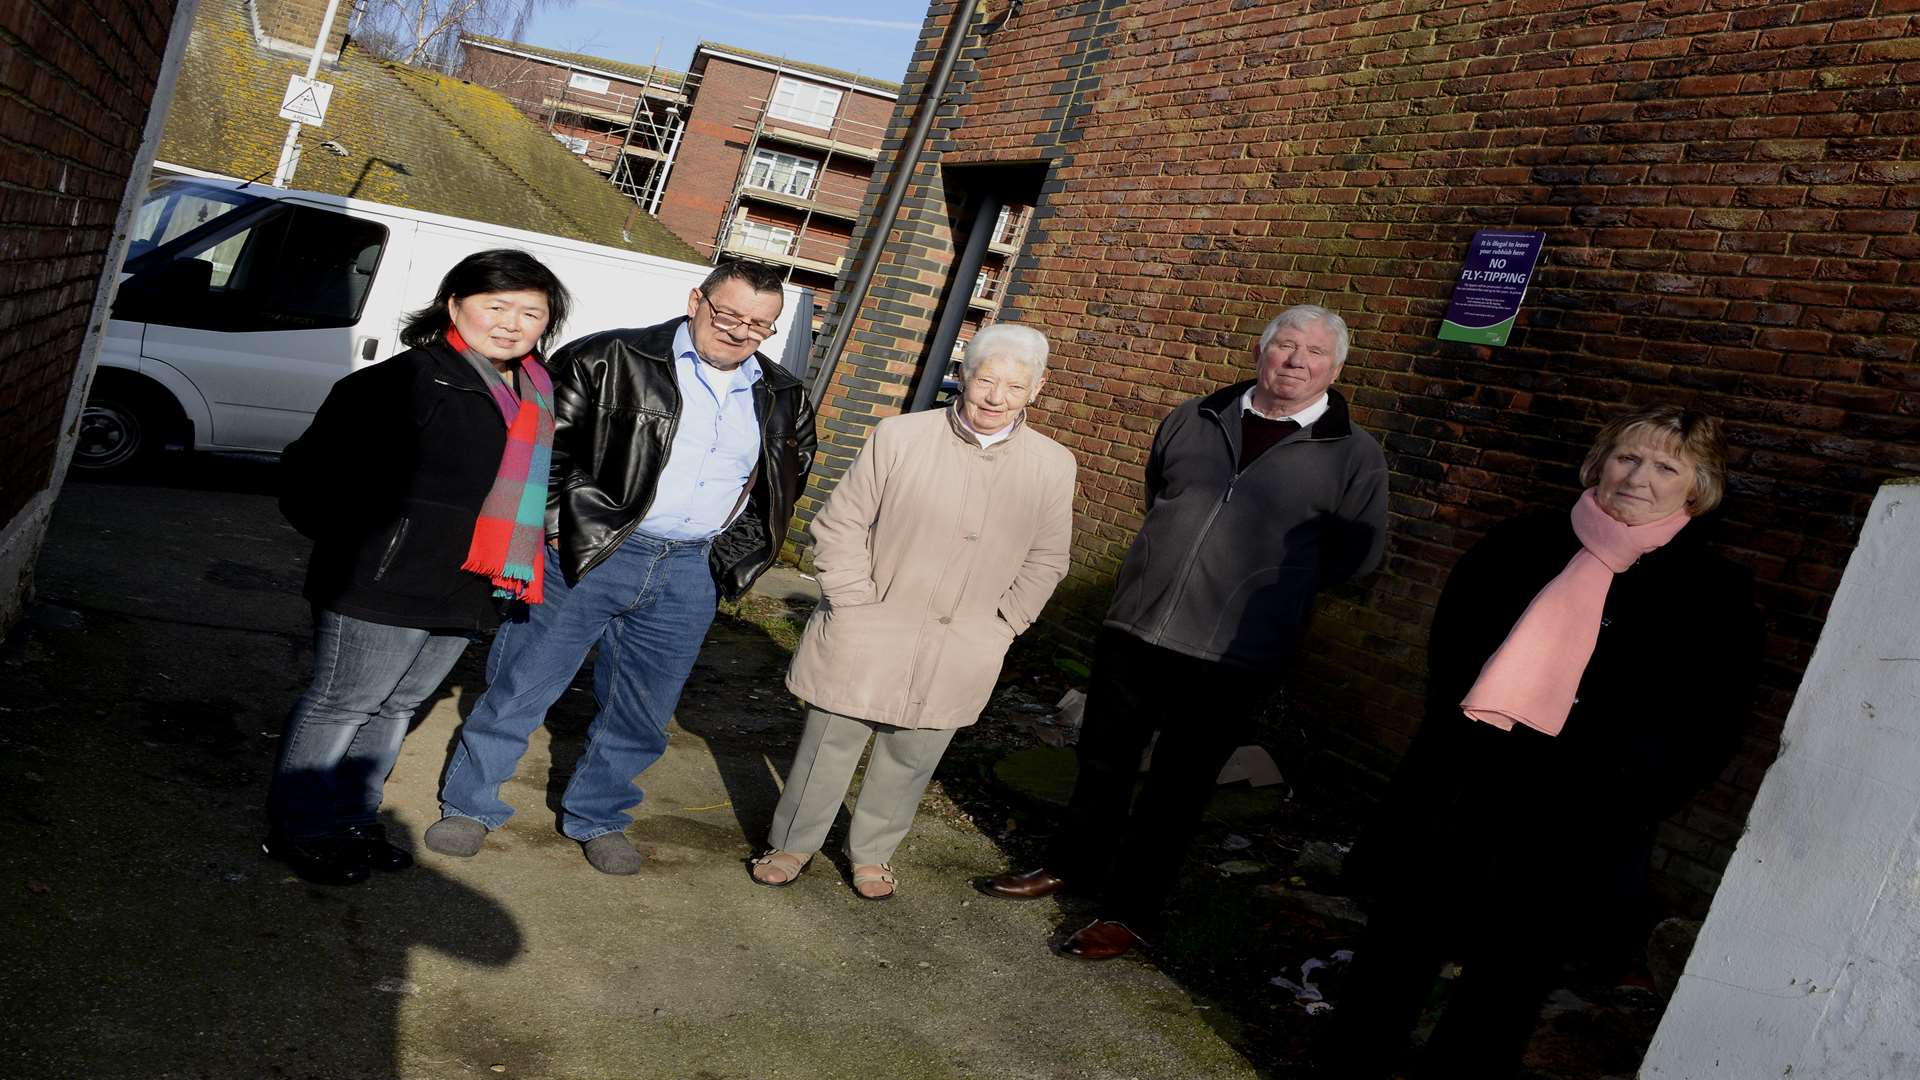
(115, 434)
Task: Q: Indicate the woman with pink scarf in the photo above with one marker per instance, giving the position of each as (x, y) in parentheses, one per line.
(1589, 672)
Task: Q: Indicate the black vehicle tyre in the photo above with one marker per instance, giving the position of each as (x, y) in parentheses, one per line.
(118, 431)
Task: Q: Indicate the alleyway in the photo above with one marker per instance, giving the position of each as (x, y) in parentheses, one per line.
(147, 937)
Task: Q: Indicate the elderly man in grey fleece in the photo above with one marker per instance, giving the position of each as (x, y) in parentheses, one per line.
(1258, 496)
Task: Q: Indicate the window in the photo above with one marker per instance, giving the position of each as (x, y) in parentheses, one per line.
(175, 207)
(987, 287)
(804, 103)
(292, 268)
(784, 173)
(572, 142)
(760, 236)
(1006, 229)
(592, 84)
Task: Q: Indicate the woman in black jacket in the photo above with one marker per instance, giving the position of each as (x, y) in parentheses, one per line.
(1588, 674)
(422, 482)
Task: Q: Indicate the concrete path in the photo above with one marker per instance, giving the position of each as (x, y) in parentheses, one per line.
(144, 935)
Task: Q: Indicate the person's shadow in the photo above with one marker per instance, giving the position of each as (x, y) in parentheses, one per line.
(336, 969)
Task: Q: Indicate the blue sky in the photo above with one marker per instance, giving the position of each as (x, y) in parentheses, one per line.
(873, 37)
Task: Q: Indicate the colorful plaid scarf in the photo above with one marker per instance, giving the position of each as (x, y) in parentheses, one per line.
(512, 527)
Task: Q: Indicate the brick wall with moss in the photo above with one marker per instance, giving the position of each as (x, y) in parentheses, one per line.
(1729, 195)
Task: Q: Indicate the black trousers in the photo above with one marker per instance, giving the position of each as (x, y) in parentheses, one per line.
(1125, 849)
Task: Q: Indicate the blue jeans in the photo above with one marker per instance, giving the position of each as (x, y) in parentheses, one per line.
(648, 607)
(344, 733)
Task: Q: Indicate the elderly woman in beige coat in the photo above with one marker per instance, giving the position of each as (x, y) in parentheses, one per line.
(937, 549)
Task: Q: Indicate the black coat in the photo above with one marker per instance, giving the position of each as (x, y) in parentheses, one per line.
(388, 481)
(616, 405)
(1659, 712)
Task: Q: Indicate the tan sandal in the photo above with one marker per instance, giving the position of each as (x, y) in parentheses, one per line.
(780, 862)
(874, 874)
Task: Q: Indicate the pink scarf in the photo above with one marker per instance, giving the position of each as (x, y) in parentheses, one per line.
(1531, 678)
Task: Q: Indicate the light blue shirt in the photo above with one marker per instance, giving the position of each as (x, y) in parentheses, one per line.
(714, 447)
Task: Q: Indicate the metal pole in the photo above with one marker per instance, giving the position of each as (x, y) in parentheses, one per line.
(955, 311)
(288, 150)
(896, 193)
(673, 147)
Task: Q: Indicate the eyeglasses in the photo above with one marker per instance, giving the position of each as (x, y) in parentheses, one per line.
(727, 322)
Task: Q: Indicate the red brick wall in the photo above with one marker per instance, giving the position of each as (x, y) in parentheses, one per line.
(1729, 194)
(76, 80)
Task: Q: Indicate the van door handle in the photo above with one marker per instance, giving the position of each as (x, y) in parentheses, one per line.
(368, 348)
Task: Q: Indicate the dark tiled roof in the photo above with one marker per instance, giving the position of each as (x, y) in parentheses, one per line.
(637, 72)
(816, 69)
(414, 139)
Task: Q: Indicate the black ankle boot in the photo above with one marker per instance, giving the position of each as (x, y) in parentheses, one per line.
(323, 861)
(375, 849)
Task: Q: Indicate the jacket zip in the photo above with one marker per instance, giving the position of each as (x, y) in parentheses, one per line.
(393, 548)
(1206, 527)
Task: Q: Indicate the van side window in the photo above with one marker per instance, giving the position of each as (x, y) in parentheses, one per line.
(294, 268)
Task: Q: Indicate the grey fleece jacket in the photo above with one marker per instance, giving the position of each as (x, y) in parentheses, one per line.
(1227, 563)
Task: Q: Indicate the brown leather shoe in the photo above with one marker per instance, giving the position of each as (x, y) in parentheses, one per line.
(1030, 885)
(1101, 939)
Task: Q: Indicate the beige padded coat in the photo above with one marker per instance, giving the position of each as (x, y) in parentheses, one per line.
(933, 553)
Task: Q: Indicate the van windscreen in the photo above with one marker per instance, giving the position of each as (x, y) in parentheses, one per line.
(175, 207)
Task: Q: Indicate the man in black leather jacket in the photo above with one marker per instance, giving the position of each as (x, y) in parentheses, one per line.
(678, 453)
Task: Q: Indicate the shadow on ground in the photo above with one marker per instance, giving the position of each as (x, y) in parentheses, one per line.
(144, 936)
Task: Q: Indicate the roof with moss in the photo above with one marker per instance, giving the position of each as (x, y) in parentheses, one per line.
(885, 87)
(640, 73)
(411, 138)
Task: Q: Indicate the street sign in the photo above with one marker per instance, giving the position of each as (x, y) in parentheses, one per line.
(306, 100)
(1492, 282)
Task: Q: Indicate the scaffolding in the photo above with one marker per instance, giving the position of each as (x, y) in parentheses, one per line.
(631, 139)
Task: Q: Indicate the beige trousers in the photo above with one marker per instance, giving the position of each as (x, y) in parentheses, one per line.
(897, 774)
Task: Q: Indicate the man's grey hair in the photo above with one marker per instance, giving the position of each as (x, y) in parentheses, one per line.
(1006, 341)
(1297, 317)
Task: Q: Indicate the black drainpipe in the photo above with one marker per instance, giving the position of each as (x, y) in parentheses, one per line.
(955, 311)
(903, 171)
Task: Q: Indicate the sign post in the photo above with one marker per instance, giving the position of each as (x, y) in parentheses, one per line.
(305, 101)
(1493, 280)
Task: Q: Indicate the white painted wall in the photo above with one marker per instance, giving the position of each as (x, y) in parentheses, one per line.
(20, 538)
(1809, 963)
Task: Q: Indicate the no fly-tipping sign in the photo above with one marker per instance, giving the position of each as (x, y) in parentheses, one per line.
(306, 100)
(1493, 280)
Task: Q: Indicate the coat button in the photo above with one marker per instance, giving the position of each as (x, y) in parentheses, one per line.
(971, 536)
(945, 619)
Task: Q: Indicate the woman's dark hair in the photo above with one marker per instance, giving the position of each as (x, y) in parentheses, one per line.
(498, 270)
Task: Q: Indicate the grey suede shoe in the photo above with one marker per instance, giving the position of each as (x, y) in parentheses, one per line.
(459, 837)
(610, 853)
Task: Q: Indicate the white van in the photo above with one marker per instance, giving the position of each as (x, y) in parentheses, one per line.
(240, 305)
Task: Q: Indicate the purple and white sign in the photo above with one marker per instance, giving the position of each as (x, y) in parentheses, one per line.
(1494, 278)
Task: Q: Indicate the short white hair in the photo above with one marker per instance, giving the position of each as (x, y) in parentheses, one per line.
(1006, 341)
(1297, 317)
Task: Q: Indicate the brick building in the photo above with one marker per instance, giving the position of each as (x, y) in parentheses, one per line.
(1728, 194)
(745, 156)
(75, 136)
(624, 120)
(777, 160)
